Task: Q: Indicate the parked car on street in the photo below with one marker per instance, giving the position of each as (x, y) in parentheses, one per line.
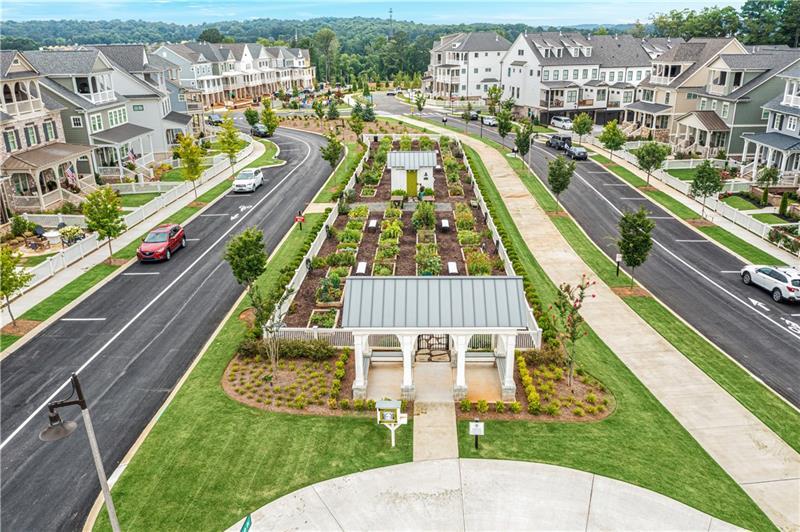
(559, 142)
(576, 153)
(248, 180)
(259, 130)
(161, 243)
(781, 282)
(561, 122)
(489, 121)
(390, 93)
(473, 115)
(214, 119)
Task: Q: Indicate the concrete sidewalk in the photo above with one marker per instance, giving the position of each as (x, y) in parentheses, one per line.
(435, 433)
(477, 495)
(754, 456)
(42, 291)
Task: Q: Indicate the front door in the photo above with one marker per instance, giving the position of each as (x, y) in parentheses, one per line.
(411, 183)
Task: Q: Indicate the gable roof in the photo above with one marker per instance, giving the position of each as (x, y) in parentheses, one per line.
(769, 64)
(698, 52)
(212, 52)
(709, 119)
(129, 57)
(76, 100)
(65, 62)
(7, 58)
(411, 160)
(476, 41)
(160, 63)
(619, 51)
(187, 53)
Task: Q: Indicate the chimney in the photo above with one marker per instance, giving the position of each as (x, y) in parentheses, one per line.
(496, 38)
(559, 33)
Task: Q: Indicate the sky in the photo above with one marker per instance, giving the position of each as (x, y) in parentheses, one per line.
(531, 12)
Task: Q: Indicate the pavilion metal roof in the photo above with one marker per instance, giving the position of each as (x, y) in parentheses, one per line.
(434, 303)
(411, 160)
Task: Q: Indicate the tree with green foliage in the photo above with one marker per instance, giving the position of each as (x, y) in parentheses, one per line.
(612, 138)
(707, 182)
(784, 204)
(356, 124)
(247, 257)
(319, 109)
(190, 153)
(358, 110)
(326, 44)
(269, 118)
(369, 113)
(507, 105)
(638, 30)
(582, 125)
(103, 212)
(635, 240)
(212, 35)
(767, 177)
(504, 124)
(493, 95)
(559, 175)
(332, 151)
(13, 278)
(333, 112)
(365, 92)
(651, 156)
(251, 115)
(228, 139)
(569, 301)
(522, 140)
(419, 101)
(600, 30)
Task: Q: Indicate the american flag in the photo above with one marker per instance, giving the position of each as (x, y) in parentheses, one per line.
(131, 155)
(72, 177)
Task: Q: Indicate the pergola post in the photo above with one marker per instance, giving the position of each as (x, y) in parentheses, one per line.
(407, 345)
(509, 388)
(460, 389)
(359, 383)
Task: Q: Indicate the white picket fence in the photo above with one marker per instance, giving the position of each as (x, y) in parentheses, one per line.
(74, 253)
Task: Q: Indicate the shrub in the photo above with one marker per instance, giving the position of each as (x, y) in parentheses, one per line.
(784, 204)
(551, 410)
(483, 406)
(424, 216)
(465, 220)
(478, 263)
(465, 405)
(499, 407)
(330, 289)
(360, 212)
(455, 189)
(318, 262)
(387, 251)
(405, 143)
(425, 143)
(428, 260)
(349, 236)
(20, 226)
(333, 404)
(342, 258)
(469, 238)
(311, 349)
(325, 319)
(344, 404)
(355, 225)
(300, 402)
(591, 398)
(392, 213)
(515, 407)
(578, 411)
(358, 404)
(382, 270)
(400, 192)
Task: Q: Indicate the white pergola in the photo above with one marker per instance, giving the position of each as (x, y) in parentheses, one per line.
(460, 307)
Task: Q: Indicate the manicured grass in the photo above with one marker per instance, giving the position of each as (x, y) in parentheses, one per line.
(176, 174)
(268, 158)
(137, 200)
(34, 260)
(769, 218)
(338, 179)
(684, 174)
(744, 249)
(7, 339)
(624, 173)
(738, 202)
(209, 460)
(46, 308)
(640, 442)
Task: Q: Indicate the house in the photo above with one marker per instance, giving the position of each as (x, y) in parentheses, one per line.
(195, 73)
(563, 74)
(293, 68)
(94, 113)
(670, 91)
(465, 65)
(730, 104)
(411, 170)
(40, 169)
(779, 145)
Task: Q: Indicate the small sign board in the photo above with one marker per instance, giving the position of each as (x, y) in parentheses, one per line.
(300, 219)
(476, 428)
(619, 257)
(388, 412)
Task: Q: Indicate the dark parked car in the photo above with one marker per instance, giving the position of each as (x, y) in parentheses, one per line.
(473, 115)
(577, 153)
(559, 142)
(214, 119)
(259, 130)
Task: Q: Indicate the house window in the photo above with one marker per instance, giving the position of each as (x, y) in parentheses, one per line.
(474, 70)
(630, 75)
(638, 75)
(791, 123)
(463, 87)
(509, 71)
(487, 69)
(619, 75)
(703, 103)
(601, 94)
(478, 86)
(572, 96)
(49, 131)
(530, 72)
(575, 74)
(594, 73)
(555, 75)
(764, 114)
(713, 105)
(666, 98)
(725, 108)
(546, 75)
(610, 76)
(463, 70)
(137, 107)
(737, 79)
(602, 76)
(77, 121)
(565, 74)
(117, 117)
(96, 122)
(31, 136)
(627, 97)
(476, 54)
(11, 140)
(521, 52)
(691, 95)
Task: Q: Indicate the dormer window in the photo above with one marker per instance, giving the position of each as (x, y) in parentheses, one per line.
(737, 79)
(587, 51)
(574, 52)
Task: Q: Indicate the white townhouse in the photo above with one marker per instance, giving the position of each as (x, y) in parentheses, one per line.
(293, 68)
(195, 73)
(465, 65)
(562, 74)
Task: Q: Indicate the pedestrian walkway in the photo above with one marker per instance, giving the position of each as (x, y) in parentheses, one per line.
(435, 432)
(477, 495)
(754, 456)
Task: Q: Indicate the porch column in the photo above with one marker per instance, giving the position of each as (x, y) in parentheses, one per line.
(756, 158)
(460, 389)
(39, 187)
(770, 155)
(784, 160)
(509, 388)
(360, 383)
(745, 149)
(407, 345)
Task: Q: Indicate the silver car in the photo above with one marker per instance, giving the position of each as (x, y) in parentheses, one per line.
(248, 180)
(782, 282)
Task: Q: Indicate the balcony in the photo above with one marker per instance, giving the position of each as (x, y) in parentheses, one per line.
(792, 101)
(585, 103)
(551, 104)
(660, 80)
(717, 90)
(22, 108)
(99, 97)
(613, 105)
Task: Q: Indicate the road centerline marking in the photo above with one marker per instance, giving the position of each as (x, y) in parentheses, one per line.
(142, 273)
(689, 240)
(82, 319)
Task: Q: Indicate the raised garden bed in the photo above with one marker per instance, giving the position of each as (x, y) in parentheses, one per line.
(324, 318)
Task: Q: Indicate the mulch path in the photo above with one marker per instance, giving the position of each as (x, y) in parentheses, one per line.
(700, 222)
(447, 242)
(21, 328)
(626, 291)
(115, 262)
(406, 265)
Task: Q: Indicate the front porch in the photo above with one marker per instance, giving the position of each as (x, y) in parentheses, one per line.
(645, 119)
(701, 132)
(124, 152)
(775, 150)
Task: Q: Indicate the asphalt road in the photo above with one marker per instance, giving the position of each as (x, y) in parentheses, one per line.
(689, 273)
(155, 319)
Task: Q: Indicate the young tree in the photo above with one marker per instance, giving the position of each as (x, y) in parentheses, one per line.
(369, 114)
(191, 157)
(582, 125)
(559, 174)
(523, 138)
(251, 115)
(247, 258)
(767, 177)
(333, 112)
(365, 92)
(358, 110)
(651, 156)
(707, 182)
(269, 118)
(612, 137)
(333, 150)
(419, 101)
(493, 95)
(228, 139)
(356, 125)
(103, 214)
(504, 124)
(12, 277)
(569, 301)
(635, 240)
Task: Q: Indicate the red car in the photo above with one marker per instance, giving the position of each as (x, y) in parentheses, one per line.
(161, 242)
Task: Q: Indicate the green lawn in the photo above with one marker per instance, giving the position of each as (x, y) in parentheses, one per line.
(640, 443)
(34, 260)
(739, 203)
(209, 460)
(62, 297)
(338, 179)
(268, 158)
(769, 218)
(137, 200)
(7, 339)
(742, 248)
(177, 174)
(684, 174)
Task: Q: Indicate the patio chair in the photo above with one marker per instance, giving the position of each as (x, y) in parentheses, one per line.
(39, 231)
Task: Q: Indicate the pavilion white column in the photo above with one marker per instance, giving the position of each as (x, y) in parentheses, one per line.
(360, 383)
(407, 345)
(509, 388)
(460, 389)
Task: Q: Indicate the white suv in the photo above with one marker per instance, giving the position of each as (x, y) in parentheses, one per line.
(248, 180)
(783, 283)
(561, 122)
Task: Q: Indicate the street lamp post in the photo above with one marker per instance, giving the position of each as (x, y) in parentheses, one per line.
(58, 429)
